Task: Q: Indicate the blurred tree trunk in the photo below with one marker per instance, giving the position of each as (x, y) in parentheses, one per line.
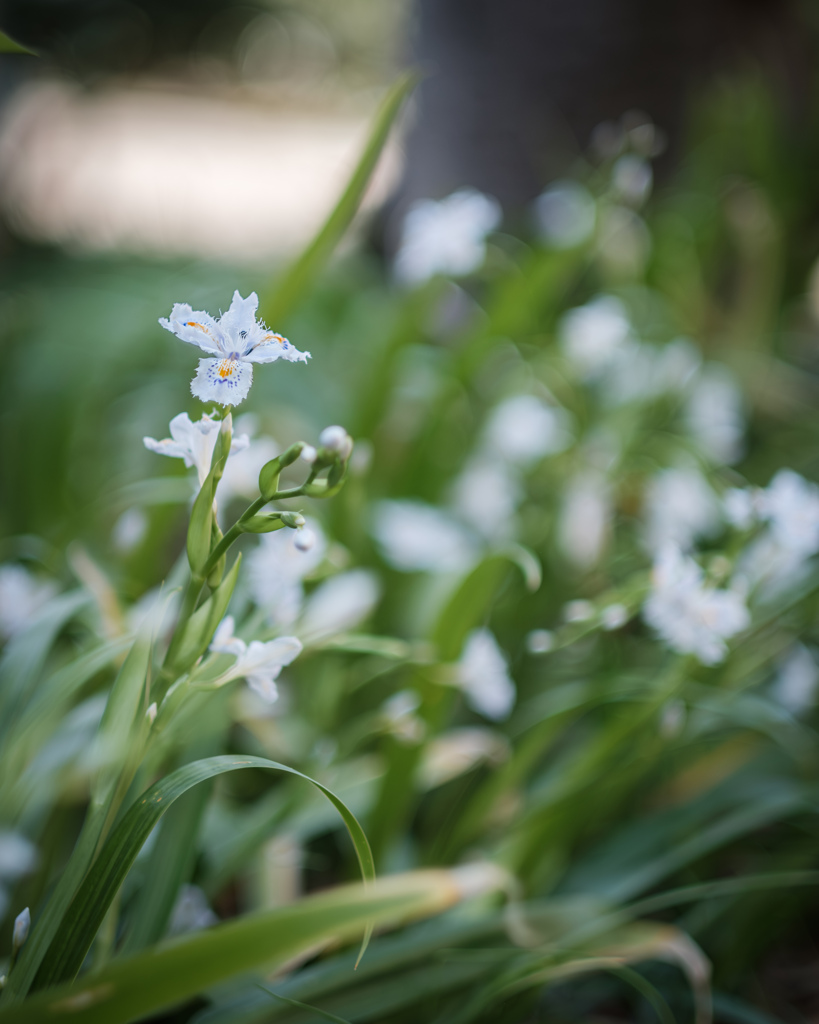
(516, 87)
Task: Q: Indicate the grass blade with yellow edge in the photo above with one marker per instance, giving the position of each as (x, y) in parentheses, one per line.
(165, 975)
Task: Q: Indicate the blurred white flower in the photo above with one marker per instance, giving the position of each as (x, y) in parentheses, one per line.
(191, 912)
(237, 340)
(613, 616)
(305, 540)
(276, 569)
(414, 536)
(585, 518)
(22, 595)
(483, 675)
(672, 718)
(446, 237)
(679, 508)
(129, 529)
(623, 240)
(675, 364)
(566, 214)
(259, 664)
(741, 506)
(339, 604)
(578, 611)
(632, 178)
(194, 442)
(540, 641)
(18, 857)
(398, 714)
(457, 751)
(796, 680)
(523, 428)
(689, 615)
(791, 505)
(641, 373)
(485, 496)
(594, 335)
(770, 568)
(715, 414)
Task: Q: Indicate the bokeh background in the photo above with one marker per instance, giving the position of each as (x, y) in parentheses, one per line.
(153, 153)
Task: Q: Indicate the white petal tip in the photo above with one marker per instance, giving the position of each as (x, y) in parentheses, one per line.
(480, 879)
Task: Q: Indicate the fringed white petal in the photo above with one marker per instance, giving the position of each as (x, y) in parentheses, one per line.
(240, 319)
(226, 381)
(196, 328)
(274, 346)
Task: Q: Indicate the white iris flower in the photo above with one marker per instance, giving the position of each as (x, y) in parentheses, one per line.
(446, 237)
(194, 442)
(236, 340)
(258, 663)
(691, 616)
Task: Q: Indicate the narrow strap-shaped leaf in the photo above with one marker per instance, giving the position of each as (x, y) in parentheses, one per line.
(169, 865)
(126, 703)
(468, 606)
(307, 267)
(25, 655)
(122, 712)
(66, 954)
(131, 988)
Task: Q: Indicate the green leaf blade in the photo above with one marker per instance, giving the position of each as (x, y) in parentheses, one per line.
(277, 306)
(66, 954)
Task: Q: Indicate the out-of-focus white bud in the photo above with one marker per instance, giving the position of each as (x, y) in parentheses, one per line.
(631, 178)
(150, 714)
(22, 923)
(578, 611)
(480, 878)
(308, 454)
(672, 719)
(614, 616)
(540, 641)
(304, 540)
(336, 439)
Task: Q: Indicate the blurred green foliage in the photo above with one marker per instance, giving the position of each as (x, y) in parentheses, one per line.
(642, 801)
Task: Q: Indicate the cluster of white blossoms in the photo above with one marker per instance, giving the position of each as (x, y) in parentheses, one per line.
(680, 508)
(446, 237)
(602, 347)
(416, 537)
(691, 615)
(788, 509)
(235, 341)
(694, 617)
